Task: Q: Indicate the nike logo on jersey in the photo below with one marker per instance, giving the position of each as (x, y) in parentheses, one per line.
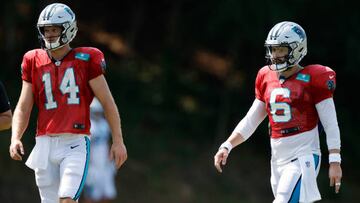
(72, 147)
(331, 76)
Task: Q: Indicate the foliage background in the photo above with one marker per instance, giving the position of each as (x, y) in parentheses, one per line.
(182, 73)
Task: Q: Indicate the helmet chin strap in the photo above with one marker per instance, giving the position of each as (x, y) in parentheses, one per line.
(282, 67)
(279, 67)
(51, 46)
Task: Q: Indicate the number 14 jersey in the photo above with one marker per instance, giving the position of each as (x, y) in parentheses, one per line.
(61, 88)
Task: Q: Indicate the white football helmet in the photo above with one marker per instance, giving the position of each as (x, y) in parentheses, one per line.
(61, 15)
(290, 35)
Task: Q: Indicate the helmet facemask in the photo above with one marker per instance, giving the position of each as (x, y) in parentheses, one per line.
(279, 63)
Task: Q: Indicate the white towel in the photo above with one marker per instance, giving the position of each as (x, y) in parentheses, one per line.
(309, 191)
(39, 155)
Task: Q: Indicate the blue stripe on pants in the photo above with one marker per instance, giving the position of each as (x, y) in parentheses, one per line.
(295, 196)
(77, 195)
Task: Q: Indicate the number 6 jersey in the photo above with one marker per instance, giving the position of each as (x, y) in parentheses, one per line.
(61, 88)
(290, 103)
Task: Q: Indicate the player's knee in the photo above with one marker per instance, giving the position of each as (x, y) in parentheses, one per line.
(42, 179)
(48, 194)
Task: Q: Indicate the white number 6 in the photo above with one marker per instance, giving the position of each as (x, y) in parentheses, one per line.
(280, 106)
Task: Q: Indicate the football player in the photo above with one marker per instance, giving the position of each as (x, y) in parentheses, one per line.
(100, 184)
(5, 111)
(295, 98)
(62, 82)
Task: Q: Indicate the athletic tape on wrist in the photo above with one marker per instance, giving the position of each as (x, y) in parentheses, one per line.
(226, 145)
(334, 157)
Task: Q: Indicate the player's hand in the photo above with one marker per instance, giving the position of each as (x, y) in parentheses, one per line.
(220, 158)
(118, 153)
(16, 150)
(335, 175)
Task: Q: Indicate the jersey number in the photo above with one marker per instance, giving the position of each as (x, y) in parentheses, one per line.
(280, 106)
(67, 86)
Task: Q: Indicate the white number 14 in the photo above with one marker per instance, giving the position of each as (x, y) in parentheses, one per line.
(67, 86)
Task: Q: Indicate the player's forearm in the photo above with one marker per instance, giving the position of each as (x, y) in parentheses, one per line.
(327, 115)
(249, 123)
(102, 92)
(235, 139)
(328, 118)
(113, 118)
(20, 123)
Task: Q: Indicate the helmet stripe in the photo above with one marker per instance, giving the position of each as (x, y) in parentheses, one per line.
(51, 11)
(281, 28)
(45, 11)
(272, 32)
(275, 29)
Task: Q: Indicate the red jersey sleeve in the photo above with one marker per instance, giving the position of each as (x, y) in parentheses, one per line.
(97, 64)
(26, 68)
(323, 84)
(258, 84)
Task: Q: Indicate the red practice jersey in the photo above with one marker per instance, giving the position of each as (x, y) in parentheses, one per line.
(290, 103)
(61, 89)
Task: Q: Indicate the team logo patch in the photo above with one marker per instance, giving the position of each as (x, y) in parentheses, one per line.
(82, 56)
(303, 77)
(331, 84)
(307, 164)
(298, 31)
